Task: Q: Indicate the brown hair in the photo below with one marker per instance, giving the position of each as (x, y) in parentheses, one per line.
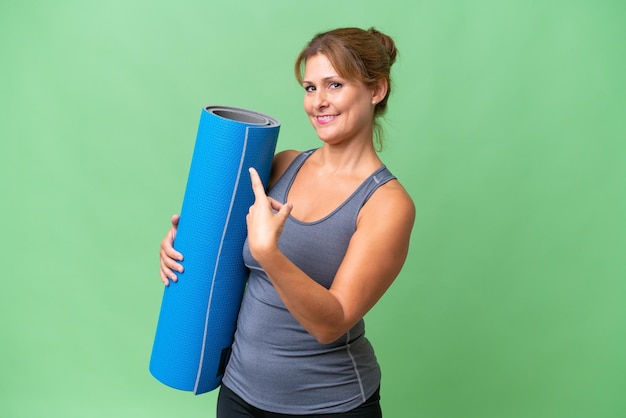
(357, 55)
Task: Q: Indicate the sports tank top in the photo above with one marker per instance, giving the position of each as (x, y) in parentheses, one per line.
(276, 365)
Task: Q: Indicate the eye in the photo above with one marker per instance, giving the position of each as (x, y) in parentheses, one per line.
(334, 85)
(309, 88)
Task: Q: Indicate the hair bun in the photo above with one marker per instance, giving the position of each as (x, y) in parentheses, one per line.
(387, 42)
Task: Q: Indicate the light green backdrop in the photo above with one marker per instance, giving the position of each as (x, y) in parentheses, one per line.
(506, 125)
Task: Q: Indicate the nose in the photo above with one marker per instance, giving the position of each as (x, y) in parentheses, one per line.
(320, 101)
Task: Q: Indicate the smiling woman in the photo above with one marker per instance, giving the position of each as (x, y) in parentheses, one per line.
(361, 59)
(339, 109)
(323, 246)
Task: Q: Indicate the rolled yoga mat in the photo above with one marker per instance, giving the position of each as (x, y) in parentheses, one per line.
(199, 312)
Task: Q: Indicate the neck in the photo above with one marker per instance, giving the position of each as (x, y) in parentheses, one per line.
(352, 158)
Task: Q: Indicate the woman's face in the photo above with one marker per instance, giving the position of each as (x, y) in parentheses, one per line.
(339, 110)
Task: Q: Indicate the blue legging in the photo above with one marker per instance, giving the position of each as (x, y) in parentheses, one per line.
(230, 405)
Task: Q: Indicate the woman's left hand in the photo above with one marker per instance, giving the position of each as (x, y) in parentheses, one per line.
(264, 224)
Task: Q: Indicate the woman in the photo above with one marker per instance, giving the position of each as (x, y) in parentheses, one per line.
(323, 246)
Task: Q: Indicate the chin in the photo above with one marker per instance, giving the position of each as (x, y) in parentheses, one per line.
(324, 136)
(330, 140)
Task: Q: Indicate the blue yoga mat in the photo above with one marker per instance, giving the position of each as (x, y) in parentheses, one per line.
(199, 313)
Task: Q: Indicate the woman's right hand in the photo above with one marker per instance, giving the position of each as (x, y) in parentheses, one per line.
(169, 256)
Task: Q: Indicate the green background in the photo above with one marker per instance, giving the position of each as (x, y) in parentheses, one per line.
(506, 125)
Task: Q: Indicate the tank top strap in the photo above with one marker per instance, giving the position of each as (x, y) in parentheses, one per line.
(295, 165)
(280, 189)
(372, 183)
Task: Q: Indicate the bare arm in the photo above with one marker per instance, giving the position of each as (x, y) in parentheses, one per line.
(373, 260)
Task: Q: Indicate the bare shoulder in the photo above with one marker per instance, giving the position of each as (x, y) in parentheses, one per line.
(390, 204)
(280, 163)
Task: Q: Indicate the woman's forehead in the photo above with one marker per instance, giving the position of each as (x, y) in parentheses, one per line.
(319, 66)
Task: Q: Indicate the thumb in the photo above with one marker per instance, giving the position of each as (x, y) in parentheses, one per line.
(284, 212)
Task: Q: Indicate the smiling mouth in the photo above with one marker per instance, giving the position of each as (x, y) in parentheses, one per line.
(324, 119)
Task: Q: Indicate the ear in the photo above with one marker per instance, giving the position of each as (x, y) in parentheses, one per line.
(379, 91)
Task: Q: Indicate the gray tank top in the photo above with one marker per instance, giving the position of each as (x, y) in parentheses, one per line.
(276, 365)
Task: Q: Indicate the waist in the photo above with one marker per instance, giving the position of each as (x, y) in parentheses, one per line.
(275, 362)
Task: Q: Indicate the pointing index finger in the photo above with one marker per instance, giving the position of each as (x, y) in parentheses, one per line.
(257, 184)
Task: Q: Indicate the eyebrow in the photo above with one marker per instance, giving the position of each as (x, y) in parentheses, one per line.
(325, 79)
